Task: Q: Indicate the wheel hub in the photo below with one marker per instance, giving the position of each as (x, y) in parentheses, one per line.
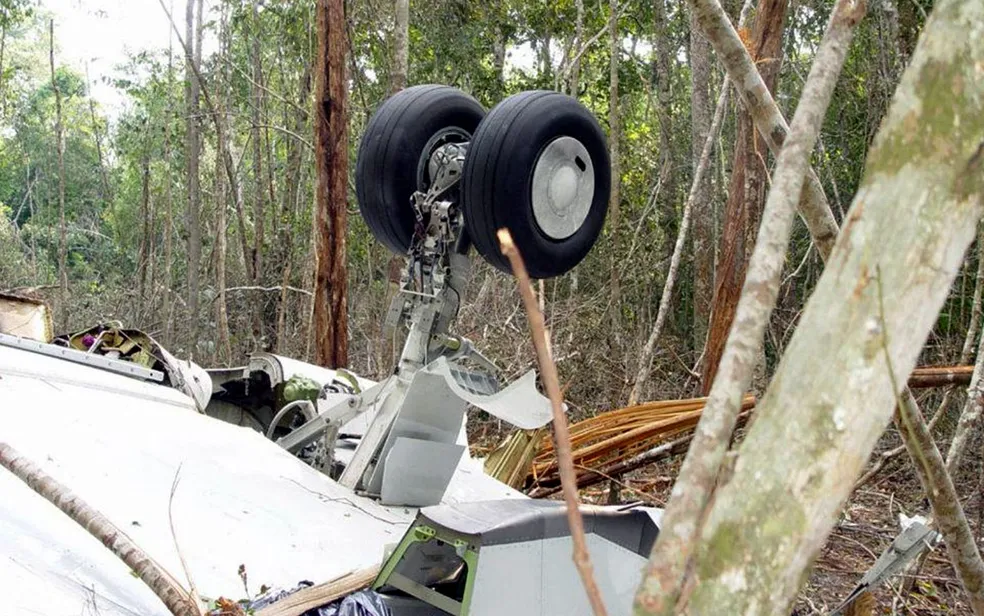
(563, 187)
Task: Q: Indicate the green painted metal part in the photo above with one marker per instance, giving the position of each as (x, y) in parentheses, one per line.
(422, 533)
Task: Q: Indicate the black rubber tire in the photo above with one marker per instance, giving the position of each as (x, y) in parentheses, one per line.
(386, 169)
(498, 174)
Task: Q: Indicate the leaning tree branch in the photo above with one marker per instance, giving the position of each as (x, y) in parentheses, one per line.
(152, 574)
(948, 514)
(565, 461)
(768, 119)
(664, 583)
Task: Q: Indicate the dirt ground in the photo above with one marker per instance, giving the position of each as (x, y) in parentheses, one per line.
(867, 526)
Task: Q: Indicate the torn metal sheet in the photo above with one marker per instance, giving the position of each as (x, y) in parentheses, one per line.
(520, 403)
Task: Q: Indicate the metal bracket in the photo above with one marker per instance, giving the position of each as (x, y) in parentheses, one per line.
(125, 368)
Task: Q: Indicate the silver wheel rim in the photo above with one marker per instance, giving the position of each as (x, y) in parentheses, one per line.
(563, 187)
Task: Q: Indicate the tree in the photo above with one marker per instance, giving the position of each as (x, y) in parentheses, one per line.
(869, 315)
(60, 147)
(401, 45)
(746, 191)
(193, 152)
(703, 235)
(330, 321)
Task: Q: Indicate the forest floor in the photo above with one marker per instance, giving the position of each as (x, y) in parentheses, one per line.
(868, 524)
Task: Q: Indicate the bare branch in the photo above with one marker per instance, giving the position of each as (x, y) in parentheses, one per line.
(548, 372)
(152, 574)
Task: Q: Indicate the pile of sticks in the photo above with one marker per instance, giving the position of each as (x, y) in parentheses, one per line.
(616, 442)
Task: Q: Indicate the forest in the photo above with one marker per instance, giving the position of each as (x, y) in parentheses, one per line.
(217, 211)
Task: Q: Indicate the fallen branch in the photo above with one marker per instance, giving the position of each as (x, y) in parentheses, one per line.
(548, 372)
(924, 378)
(178, 601)
(316, 596)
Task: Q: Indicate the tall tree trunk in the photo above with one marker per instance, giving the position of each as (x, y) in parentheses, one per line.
(292, 187)
(574, 80)
(663, 54)
(331, 160)
(703, 215)
(813, 207)
(877, 299)
(259, 222)
(169, 205)
(746, 191)
(143, 259)
(401, 45)
(60, 145)
(614, 123)
(105, 195)
(193, 151)
(221, 223)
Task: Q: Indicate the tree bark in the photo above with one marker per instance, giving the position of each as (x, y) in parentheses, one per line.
(813, 206)
(60, 146)
(192, 152)
(912, 220)
(330, 326)
(970, 415)
(257, 96)
(178, 602)
(746, 191)
(947, 511)
(668, 576)
(169, 205)
(401, 45)
(143, 260)
(614, 123)
(664, 53)
(703, 214)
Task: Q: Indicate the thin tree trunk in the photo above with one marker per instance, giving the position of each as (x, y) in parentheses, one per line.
(667, 576)
(259, 222)
(178, 601)
(664, 53)
(574, 79)
(330, 320)
(970, 415)
(401, 45)
(106, 195)
(646, 356)
(703, 214)
(3, 89)
(169, 207)
(221, 309)
(143, 259)
(192, 152)
(879, 296)
(614, 123)
(938, 485)
(971, 411)
(813, 206)
(746, 192)
(60, 145)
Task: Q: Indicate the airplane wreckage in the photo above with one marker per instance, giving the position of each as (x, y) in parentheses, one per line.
(279, 472)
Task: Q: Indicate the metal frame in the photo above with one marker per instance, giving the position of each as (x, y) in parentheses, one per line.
(126, 368)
